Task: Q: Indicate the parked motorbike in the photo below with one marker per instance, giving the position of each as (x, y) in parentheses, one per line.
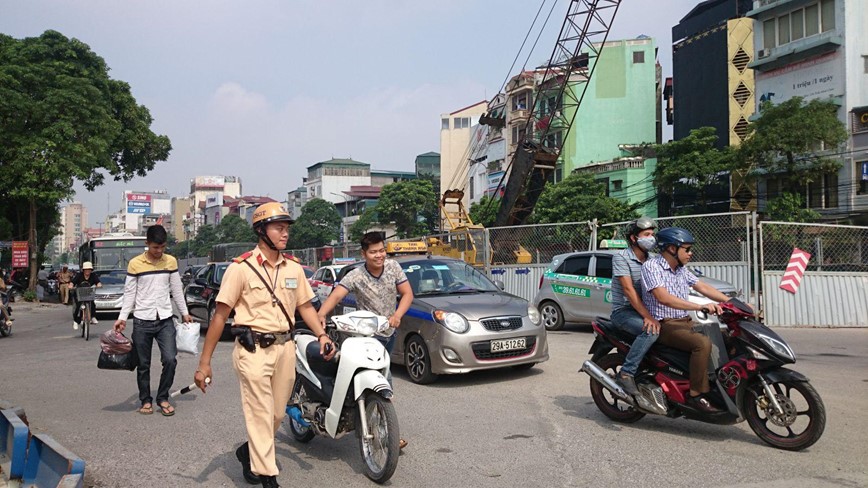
(750, 382)
(348, 393)
(5, 315)
(53, 287)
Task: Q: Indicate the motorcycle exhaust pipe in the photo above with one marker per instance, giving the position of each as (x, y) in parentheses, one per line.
(591, 369)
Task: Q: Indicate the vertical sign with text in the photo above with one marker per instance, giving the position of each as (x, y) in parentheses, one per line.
(19, 254)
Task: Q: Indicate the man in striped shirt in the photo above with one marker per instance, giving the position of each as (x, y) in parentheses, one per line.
(666, 284)
(151, 277)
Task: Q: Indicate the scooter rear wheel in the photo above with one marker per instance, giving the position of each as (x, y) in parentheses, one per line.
(802, 423)
(380, 452)
(299, 432)
(612, 406)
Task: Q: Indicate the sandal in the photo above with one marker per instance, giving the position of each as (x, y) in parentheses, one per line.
(167, 409)
(402, 444)
(146, 409)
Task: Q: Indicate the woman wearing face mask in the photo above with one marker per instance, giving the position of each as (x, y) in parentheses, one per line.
(628, 311)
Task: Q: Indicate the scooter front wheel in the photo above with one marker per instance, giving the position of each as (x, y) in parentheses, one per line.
(802, 422)
(381, 450)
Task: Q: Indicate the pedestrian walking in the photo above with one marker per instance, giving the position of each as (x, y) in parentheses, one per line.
(151, 276)
(265, 289)
(376, 285)
(63, 280)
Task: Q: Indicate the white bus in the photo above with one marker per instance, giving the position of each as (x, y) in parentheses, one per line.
(111, 251)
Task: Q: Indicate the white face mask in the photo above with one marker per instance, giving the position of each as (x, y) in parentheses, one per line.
(646, 243)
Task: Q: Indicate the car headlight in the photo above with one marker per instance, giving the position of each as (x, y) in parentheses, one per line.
(533, 314)
(452, 321)
(777, 346)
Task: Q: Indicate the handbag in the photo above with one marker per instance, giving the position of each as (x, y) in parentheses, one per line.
(127, 361)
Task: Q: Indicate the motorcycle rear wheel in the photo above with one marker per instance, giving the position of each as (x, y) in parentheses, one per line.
(777, 430)
(612, 406)
(380, 453)
(299, 432)
(5, 328)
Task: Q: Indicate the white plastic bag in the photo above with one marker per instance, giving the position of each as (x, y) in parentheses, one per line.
(187, 337)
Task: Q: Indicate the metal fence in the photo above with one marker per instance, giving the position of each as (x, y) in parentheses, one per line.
(834, 289)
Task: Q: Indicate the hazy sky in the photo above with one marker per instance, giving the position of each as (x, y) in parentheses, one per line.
(262, 89)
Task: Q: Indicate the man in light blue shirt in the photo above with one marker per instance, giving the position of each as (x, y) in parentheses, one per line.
(628, 311)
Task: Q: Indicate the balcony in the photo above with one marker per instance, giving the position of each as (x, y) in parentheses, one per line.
(777, 57)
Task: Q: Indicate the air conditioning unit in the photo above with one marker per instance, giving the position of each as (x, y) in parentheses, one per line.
(763, 53)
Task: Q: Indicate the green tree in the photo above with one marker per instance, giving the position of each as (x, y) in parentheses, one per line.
(580, 198)
(789, 207)
(62, 119)
(484, 211)
(692, 164)
(366, 222)
(233, 228)
(318, 225)
(411, 206)
(788, 139)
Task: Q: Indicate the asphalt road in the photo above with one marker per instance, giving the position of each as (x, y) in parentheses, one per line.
(489, 429)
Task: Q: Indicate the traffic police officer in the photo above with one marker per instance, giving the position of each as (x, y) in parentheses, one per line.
(265, 289)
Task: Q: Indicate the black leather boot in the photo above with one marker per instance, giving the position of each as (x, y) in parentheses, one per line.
(243, 455)
(269, 482)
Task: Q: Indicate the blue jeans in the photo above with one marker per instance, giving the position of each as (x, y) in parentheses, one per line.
(629, 320)
(144, 333)
(389, 344)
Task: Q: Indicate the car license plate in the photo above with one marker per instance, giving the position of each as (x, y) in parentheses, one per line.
(508, 344)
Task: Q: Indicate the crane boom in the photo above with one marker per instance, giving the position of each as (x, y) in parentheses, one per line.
(587, 24)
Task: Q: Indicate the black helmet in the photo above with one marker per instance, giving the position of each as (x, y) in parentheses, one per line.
(640, 224)
(677, 236)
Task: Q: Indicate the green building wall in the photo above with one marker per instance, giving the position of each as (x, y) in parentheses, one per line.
(620, 107)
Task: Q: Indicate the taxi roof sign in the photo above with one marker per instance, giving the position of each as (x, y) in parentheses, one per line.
(613, 244)
(406, 247)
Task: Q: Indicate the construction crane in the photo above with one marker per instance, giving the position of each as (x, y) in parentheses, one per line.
(560, 92)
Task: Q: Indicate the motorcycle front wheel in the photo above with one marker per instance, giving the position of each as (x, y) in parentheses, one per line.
(299, 432)
(612, 406)
(380, 452)
(803, 419)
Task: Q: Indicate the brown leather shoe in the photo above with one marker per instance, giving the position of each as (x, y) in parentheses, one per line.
(702, 404)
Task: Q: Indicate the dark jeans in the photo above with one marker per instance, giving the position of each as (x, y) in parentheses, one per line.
(144, 333)
(76, 310)
(389, 344)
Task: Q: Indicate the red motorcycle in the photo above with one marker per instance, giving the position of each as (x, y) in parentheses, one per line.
(749, 381)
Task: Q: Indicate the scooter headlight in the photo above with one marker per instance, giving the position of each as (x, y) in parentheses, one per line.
(452, 321)
(366, 326)
(780, 348)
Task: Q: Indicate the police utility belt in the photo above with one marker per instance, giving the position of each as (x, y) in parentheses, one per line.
(249, 338)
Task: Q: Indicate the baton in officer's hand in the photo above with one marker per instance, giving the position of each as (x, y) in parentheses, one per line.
(187, 389)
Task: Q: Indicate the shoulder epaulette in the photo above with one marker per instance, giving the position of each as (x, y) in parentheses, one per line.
(243, 257)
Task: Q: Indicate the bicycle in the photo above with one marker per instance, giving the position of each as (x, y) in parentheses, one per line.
(85, 295)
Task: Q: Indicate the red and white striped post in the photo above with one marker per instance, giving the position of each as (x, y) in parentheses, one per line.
(795, 270)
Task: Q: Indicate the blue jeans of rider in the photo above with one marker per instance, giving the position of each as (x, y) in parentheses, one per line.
(389, 344)
(629, 320)
(144, 334)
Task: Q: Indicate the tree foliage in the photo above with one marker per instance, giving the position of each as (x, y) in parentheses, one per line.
(411, 206)
(692, 164)
(788, 140)
(790, 207)
(62, 119)
(231, 228)
(318, 225)
(366, 222)
(484, 211)
(580, 198)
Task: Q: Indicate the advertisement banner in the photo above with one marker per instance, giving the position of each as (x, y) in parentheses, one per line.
(865, 171)
(819, 77)
(138, 203)
(19, 254)
(209, 182)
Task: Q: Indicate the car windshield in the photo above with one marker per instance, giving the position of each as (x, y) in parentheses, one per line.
(219, 270)
(434, 276)
(114, 277)
(307, 272)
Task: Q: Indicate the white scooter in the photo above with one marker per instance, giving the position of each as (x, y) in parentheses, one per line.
(350, 392)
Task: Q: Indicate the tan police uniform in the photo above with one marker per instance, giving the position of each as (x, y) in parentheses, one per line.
(63, 279)
(266, 375)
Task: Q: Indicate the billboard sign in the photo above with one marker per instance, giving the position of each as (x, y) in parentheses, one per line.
(819, 77)
(19, 254)
(138, 203)
(865, 171)
(214, 200)
(209, 182)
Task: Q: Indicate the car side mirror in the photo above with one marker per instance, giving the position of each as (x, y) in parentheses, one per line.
(499, 284)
